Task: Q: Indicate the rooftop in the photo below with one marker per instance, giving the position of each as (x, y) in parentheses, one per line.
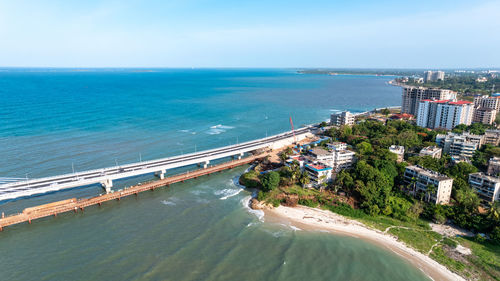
(318, 167)
(485, 176)
(429, 173)
(320, 151)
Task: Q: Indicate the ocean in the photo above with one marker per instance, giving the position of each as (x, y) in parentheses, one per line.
(54, 121)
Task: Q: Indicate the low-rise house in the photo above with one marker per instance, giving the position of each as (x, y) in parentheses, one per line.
(487, 187)
(318, 173)
(432, 151)
(421, 179)
(399, 151)
(492, 137)
(464, 144)
(401, 116)
(494, 166)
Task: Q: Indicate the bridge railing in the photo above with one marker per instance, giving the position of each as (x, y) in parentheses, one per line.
(103, 170)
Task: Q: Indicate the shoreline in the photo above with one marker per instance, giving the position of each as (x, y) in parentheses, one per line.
(312, 219)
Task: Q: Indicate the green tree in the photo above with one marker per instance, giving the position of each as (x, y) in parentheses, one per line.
(304, 178)
(270, 181)
(364, 148)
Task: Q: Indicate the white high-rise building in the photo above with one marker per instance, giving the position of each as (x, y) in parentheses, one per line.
(413, 95)
(444, 113)
(432, 76)
(492, 102)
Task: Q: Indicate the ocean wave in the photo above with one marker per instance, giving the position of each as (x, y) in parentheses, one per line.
(219, 129)
(246, 204)
(227, 193)
(171, 202)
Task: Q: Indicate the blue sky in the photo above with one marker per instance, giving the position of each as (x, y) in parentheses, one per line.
(258, 33)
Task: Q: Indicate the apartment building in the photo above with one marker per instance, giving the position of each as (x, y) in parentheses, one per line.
(432, 76)
(342, 118)
(459, 145)
(444, 114)
(421, 178)
(492, 137)
(337, 157)
(487, 187)
(484, 115)
(494, 166)
(492, 102)
(318, 173)
(413, 95)
(432, 151)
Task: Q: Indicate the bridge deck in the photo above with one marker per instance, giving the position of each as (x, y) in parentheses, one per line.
(55, 208)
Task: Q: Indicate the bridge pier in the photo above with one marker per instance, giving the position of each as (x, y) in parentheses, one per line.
(107, 185)
(239, 155)
(161, 174)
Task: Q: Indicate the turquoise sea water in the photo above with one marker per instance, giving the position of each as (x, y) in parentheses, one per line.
(198, 230)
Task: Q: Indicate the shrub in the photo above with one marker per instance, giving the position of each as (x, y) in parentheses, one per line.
(450, 242)
(250, 179)
(270, 181)
(308, 203)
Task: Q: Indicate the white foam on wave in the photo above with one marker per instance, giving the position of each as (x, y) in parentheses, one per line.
(227, 193)
(218, 129)
(258, 213)
(171, 202)
(220, 126)
(294, 228)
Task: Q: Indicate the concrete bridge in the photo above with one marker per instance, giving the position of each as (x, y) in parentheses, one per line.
(159, 167)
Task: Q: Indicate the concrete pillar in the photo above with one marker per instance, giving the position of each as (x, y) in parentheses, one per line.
(107, 185)
(205, 165)
(161, 174)
(240, 155)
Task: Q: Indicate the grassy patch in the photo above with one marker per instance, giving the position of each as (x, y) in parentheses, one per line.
(439, 255)
(419, 239)
(485, 257)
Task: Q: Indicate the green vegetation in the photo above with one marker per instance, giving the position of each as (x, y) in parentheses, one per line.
(421, 240)
(465, 84)
(373, 192)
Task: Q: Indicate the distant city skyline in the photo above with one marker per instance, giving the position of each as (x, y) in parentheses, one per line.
(194, 33)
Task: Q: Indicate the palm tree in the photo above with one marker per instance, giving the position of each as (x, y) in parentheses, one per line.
(304, 178)
(494, 211)
(429, 191)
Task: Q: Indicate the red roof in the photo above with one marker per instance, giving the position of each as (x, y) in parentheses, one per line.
(460, 102)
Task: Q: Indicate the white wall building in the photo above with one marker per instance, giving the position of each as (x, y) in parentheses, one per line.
(432, 151)
(444, 113)
(342, 118)
(432, 76)
(421, 178)
(492, 137)
(459, 145)
(413, 95)
(487, 187)
(399, 151)
(494, 166)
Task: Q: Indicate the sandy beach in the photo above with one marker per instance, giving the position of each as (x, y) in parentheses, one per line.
(311, 219)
